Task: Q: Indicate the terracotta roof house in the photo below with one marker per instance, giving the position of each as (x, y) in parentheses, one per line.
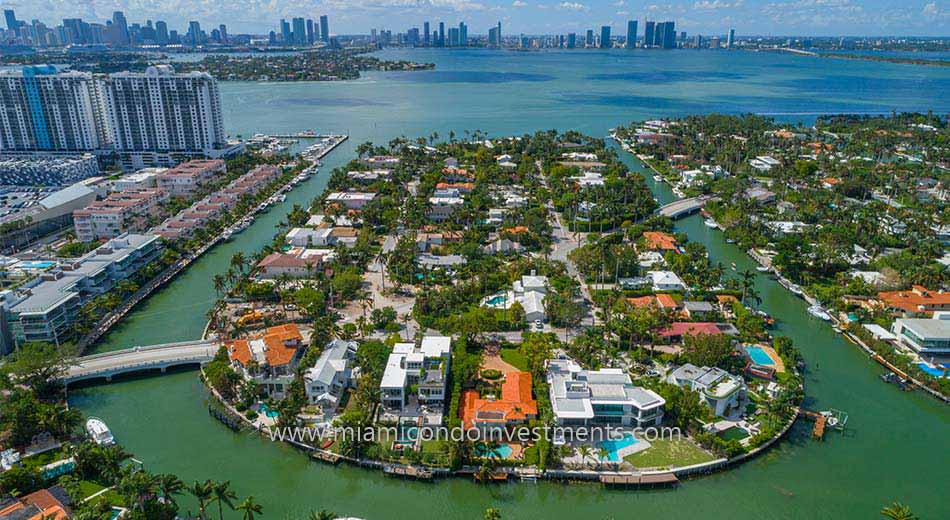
(918, 300)
(275, 352)
(514, 407)
(659, 241)
(677, 330)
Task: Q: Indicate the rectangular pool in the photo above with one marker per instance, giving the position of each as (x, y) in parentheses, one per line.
(936, 372)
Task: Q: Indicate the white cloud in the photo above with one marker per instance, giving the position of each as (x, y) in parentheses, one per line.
(708, 5)
(572, 6)
(519, 3)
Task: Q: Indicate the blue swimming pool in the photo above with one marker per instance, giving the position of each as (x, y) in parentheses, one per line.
(615, 445)
(759, 356)
(36, 264)
(268, 412)
(501, 452)
(936, 372)
(496, 300)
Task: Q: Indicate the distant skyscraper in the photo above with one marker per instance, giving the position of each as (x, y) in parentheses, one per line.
(285, 33)
(161, 32)
(311, 37)
(589, 42)
(648, 33)
(500, 37)
(454, 37)
(605, 37)
(669, 36)
(441, 42)
(463, 34)
(300, 31)
(12, 24)
(223, 29)
(325, 28)
(571, 40)
(730, 41)
(121, 28)
(631, 34)
(194, 33)
(427, 35)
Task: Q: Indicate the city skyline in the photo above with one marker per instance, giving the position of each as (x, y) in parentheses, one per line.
(748, 17)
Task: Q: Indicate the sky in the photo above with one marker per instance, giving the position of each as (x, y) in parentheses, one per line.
(710, 17)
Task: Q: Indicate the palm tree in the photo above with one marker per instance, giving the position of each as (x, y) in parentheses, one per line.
(603, 454)
(223, 495)
(323, 514)
(585, 452)
(492, 514)
(250, 508)
(203, 493)
(898, 511)
(169, 486)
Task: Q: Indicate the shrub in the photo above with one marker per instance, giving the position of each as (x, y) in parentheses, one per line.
(491, 374)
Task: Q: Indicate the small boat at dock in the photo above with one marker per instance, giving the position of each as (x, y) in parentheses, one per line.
(711, 224)
(762, 269)
(99, 432)
(818, 312)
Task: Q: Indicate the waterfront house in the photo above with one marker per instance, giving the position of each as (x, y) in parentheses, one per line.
(926, 337)
(296, 263)
(514, 406)
(718, 389)
(607, 396)
(415, 376)
(677, 330)
(658, 241)
(381, 161)
(268, 357)
(918, 300)
(331, 375)
(350, 199)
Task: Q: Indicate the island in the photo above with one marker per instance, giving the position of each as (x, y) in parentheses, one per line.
(498, 309)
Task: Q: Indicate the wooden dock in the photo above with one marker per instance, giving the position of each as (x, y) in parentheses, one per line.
(326, 456)
(650, 480)
(409, 472)
(818, 432)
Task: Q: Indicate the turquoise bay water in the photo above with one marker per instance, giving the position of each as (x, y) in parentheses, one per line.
(887, 453)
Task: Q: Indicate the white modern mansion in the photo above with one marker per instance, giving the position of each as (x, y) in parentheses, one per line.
(718, 389)
(600, 397)
(415, 376)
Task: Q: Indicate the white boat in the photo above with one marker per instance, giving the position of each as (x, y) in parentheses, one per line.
(730, 241)
(762, 269)
(818, 312)
(796, 290)
(99, 432)
(658, 178)
(710, 223)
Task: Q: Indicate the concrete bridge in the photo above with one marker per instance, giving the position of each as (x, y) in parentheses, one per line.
(139, 359)
(682, 207)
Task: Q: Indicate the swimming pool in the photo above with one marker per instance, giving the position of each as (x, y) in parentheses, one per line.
(496, 300)
(936, 372)
(614, 446)
(36, 264)
(501, 452)
(759, 355)
(268, 412)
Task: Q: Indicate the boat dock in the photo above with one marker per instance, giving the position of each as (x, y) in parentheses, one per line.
(408, 472)
(326, 456)
(835, 419)
(639, 481)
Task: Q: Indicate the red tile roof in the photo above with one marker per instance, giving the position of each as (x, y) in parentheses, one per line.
(659, 240)
(515, 404)
(684, 328)
(919, 299)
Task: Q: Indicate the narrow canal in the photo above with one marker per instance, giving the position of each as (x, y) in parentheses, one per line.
(895, 445)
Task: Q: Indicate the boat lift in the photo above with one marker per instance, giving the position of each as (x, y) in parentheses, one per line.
(832, 418)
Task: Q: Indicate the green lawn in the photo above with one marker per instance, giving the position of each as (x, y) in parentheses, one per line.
(514, 358)
(47, 457)
(88, 488)
(668, 453)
